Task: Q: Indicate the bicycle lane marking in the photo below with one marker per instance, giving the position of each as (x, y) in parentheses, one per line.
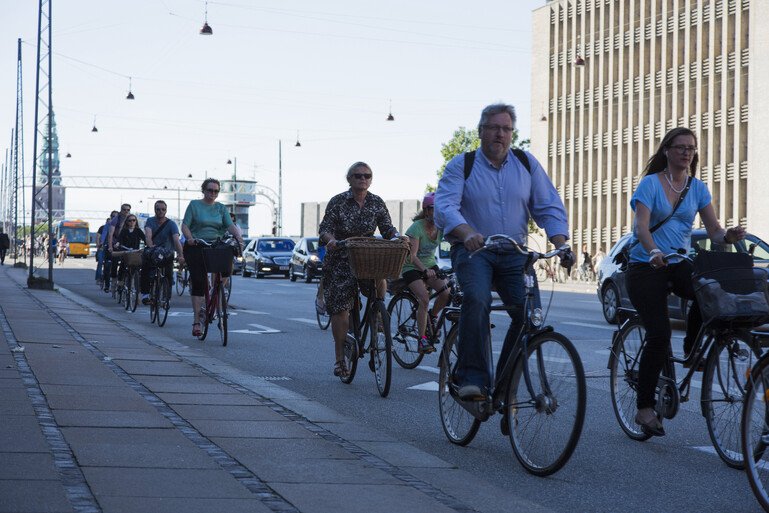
(260, 330)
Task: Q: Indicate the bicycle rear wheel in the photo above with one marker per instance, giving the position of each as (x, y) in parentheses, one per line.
(405, 332)
(165, 301)
(350, 358)
(754, 431)
(127, 290)
(624, 362)
(545, 426)
(380, 346)
(723, 390)
(228, 288)
(221, 313)
(458, 424)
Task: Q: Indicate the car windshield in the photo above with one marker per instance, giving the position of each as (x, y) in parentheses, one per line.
(270, 246)
(312, 246)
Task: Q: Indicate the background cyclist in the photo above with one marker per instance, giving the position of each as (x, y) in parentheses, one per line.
(208, 220)
(160, 232)
(420, 269)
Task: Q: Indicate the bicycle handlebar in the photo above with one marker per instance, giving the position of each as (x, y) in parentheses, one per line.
(500, 240)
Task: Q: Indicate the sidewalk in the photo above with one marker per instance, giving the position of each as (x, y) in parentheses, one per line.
(100, 416)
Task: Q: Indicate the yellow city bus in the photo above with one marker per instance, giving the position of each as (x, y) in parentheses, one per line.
(78, 236)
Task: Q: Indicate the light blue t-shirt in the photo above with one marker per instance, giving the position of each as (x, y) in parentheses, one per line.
(207, 222)
(164, 238)
(676, 232)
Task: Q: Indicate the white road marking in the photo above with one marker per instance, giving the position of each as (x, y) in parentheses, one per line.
(260, 330)
(592, 302)
(306, 321)
(711, 450)
(587, 325)
(434, 370)
(189, 314)
(254, 312)
(430, 386)
(605, 352)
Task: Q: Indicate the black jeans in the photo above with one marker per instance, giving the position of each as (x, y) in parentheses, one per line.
(648, 290)
(146, 270)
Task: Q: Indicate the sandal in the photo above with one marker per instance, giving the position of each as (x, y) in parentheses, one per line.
(196, 332)
(650, 424)
(340, 369)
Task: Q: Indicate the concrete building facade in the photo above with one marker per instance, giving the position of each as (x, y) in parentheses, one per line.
(611, 77)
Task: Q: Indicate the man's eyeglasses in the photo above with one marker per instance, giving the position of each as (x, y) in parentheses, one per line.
(125, 209)
(130, 220)
(213, 191)
(429, 207)
(498, 128)
(360, 176)
(160, 208)
(683, 150)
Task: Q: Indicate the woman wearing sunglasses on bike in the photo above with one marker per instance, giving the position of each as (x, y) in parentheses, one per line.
(420, 268)
(354, 213)
(208, 220)
(665, 203)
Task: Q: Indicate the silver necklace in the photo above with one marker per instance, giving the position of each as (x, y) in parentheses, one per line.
(670, 183)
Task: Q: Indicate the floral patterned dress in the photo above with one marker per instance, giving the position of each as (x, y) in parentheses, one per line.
(345, 218)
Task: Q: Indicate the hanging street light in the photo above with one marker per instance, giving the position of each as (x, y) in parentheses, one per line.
(94, 129)
(206, 30)
(68, 155)
(298, 144)
(390, 116)
(130, 94)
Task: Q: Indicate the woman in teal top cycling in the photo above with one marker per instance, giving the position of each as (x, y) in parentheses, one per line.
(208, 220)
(420, 269)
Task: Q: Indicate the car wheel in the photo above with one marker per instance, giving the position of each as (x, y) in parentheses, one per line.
(307, 275)
(610, 303)
(246, 272)
(292, 274)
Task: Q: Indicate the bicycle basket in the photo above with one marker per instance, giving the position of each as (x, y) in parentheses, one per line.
(729, 288)
(132, 258)
(218, 259)
(375, 259)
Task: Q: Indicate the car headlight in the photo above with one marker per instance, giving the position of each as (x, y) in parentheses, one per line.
(314, 258)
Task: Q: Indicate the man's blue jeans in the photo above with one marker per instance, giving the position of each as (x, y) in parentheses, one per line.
(99, 263)
(476, 275)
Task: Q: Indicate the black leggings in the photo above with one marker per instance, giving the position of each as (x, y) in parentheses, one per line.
(648, 290)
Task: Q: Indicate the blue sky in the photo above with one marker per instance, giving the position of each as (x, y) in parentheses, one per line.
(327, 70)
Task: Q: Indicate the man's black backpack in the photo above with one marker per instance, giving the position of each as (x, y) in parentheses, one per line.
(470, 160)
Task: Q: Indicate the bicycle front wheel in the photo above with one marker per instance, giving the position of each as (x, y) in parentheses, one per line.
(133, 279)
(723, 390)
(350, 358)
(228, 289)
(181, 281)
(221, 313)
(405, 332)
(624, 362)
(154, 300)
(458, 424)
(380, 346)
(546, 421)
(165, 301)
(754, 431)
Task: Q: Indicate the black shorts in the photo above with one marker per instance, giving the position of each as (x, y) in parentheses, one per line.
(415, 274)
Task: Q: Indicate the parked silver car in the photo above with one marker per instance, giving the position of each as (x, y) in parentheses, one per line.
(612, 289)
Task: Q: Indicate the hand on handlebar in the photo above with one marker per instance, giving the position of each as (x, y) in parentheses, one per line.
(658, 261)
(474, 242)
(428, 273)
(567, 257)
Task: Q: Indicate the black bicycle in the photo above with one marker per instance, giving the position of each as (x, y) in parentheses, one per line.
(160, 289)
(541, 391)
(723, 351)
(182, 278)
(321, 314)
(405, 330)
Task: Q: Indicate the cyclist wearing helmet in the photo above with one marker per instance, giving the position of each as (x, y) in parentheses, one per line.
(420, 269)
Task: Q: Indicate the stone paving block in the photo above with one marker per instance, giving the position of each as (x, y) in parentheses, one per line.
(401, 454)
(21, 408)
(127, 340)
(165, 505)
(147, 354)
(179, 483)
(14, 393)
(32, 439)
(106, 418)
(251, 429)
(146, 368)
(33, 497)
(7, 375)
(333, 498)
(76, 372)
(355, 432)
(27, 466)
(188, 385)
(312, 410)
(226, 412)
(98, 402)
(218, 399)
(141, 448)
(329, 463)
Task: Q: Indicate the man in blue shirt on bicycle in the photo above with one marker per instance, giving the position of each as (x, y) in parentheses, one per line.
(495, 195)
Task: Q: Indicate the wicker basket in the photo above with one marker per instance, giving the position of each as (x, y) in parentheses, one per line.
(218, 260)
(131, 258)
(375, 259)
